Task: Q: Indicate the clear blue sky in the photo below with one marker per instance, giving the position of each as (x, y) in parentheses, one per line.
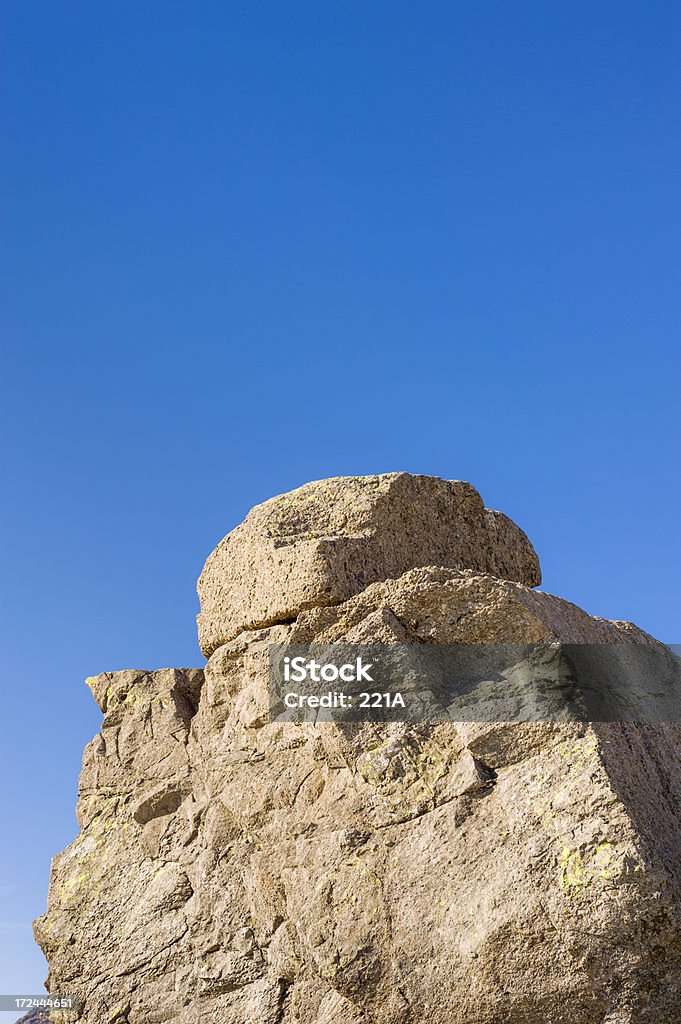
(252, 244)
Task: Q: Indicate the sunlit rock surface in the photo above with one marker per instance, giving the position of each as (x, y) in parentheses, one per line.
(233, 871)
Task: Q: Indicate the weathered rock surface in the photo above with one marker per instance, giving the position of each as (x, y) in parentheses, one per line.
(37, 1016)
(325, 541)
(235, 871)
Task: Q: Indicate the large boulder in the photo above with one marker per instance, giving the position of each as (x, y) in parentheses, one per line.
(234, 870)
(322, 543)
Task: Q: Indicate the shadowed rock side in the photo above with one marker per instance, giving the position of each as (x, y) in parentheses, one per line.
(229, 870)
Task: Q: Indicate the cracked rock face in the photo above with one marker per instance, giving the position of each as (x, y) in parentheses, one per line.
(233, 871)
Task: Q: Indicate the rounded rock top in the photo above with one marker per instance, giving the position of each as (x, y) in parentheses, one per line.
(327, 540)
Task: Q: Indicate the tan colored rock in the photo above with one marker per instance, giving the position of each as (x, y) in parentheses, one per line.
(370, 873)
(438, 605)
(325, 541)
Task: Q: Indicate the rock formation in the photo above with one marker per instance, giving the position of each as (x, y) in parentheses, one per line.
(236, 871)
(328, 540)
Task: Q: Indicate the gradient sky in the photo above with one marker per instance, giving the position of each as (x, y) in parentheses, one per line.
(252, 244)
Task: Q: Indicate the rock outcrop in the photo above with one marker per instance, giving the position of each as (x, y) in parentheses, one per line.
(328, 540)
(237, 871)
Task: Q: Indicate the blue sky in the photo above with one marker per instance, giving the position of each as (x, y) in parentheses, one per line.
(253, 244)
